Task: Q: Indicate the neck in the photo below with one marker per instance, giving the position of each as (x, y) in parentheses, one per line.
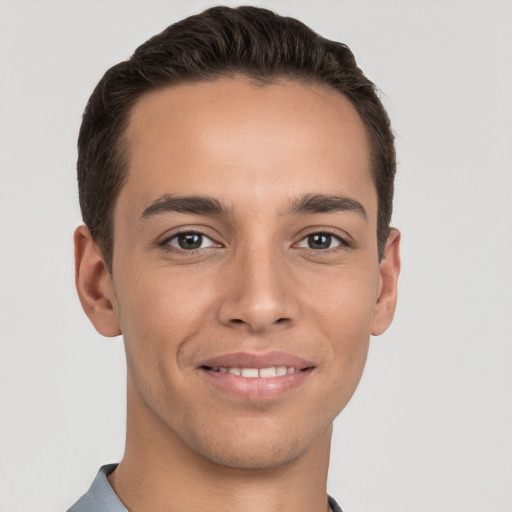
(161, 473)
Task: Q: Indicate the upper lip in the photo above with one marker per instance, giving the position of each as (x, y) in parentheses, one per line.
(256, 360)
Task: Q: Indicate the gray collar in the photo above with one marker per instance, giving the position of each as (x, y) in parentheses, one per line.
(100, 497)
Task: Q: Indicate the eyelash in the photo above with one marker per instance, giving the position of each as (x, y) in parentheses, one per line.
(343, 243)
(166, 244)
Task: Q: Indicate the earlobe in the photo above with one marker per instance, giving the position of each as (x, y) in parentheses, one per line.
(389, 272)
(94, 284)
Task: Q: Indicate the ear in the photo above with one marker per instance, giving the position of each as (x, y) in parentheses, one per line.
(388, 280)
(94, 284)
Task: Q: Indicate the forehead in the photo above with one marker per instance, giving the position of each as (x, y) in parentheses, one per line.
(212, 138)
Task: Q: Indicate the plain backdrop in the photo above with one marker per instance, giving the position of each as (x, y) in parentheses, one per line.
(430, 427)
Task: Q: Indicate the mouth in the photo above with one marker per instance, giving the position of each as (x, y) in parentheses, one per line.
(256, 377)
(257, 373)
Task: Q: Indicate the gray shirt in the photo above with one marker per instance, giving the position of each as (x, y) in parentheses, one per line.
(101, 497)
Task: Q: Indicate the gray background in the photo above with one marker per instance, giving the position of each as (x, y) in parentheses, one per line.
(430, 427)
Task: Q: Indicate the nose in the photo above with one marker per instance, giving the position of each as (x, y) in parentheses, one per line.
(259, 293)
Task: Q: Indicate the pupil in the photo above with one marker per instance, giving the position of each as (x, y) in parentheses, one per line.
(320, 241)
(190, 241)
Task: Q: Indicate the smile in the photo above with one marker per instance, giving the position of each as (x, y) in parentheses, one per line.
(256, 377)
(255, 373)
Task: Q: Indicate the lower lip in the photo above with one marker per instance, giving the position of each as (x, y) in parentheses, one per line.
(257, 389)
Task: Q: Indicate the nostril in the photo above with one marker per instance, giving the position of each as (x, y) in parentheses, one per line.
(281, 320)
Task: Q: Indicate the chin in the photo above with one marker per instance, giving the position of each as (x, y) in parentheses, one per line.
(249, 455)
(256, 447)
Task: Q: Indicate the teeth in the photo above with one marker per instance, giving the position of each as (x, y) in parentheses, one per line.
(268, 372)
(252, 373)
(281, 370)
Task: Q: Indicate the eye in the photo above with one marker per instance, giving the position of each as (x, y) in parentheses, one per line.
(321, 241)
(190, 241)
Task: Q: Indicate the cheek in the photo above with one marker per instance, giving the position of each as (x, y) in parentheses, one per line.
(159, 311)
(343, 317)
(157, 320)
(344, 303)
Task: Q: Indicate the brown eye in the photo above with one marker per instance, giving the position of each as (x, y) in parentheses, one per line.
(190, 241)
(320, 241)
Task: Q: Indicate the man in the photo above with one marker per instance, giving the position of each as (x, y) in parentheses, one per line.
(236, 182)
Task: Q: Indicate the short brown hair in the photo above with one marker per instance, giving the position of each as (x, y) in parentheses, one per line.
(220, 42)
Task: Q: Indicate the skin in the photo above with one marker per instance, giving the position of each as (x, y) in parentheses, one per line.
(255, 285)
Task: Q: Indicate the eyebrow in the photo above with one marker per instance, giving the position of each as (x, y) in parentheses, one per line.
(197, 205)
(324, 203)
(204, 205)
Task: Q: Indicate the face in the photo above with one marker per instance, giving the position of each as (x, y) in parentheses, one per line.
(246, 279)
